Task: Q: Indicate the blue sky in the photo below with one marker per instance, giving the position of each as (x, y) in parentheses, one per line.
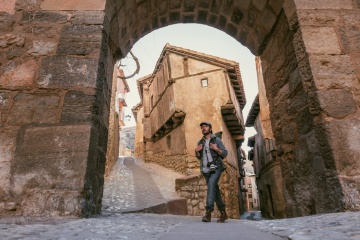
(195, 37)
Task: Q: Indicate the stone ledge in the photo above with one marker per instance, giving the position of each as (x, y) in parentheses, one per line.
(179, 182)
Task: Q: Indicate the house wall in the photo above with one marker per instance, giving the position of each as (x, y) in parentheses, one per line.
(185, 92)
(139, 134)
(112, 153)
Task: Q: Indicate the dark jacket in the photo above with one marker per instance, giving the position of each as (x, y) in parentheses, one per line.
(217, 158)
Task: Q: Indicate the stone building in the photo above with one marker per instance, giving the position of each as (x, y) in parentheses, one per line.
(252, 199)
(185, 89)
(263, 154)
(119, 91)
(56, 67)
(127, 141)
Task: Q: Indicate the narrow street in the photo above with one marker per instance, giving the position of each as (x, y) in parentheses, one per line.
(134, 186)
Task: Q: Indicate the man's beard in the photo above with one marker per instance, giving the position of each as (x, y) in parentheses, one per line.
(206, 132)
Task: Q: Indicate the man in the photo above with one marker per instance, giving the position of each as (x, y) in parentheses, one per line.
(211, 151)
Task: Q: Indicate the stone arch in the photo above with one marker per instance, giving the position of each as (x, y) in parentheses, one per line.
(297, 42)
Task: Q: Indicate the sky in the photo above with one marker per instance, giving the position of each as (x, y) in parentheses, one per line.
(196, 37)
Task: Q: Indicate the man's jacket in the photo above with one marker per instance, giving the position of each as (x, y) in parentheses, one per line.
(217, 158)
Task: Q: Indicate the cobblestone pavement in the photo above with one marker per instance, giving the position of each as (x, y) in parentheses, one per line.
(119, 191)
(332, 226)
(113, 224)
(154, 185)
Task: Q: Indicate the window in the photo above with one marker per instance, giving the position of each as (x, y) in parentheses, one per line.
(249, 185)
(168, 141)
(204, 82)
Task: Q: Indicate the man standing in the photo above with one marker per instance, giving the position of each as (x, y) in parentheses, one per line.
(211, 151)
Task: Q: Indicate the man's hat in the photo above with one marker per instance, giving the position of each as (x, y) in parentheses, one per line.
(205, 123)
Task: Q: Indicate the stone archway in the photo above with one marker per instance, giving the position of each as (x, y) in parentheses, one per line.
(56, 69)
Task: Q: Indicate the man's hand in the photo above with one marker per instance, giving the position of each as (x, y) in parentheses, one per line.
(198, 149)
(214, 147)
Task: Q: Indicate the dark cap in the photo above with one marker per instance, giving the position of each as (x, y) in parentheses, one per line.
(205, 123)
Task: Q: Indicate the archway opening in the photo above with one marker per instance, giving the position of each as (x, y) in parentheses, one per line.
(204, 40)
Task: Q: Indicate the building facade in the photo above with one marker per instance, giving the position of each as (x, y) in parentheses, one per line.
(263, 154)
(185, 89)
(119, 91)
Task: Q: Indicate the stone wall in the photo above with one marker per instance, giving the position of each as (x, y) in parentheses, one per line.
(112, 153)
(328, 52)
(175, 162)
(193, 188)
(55, 81)
(56, 64)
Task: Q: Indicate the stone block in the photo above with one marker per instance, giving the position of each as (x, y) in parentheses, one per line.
(78, 107)
(350, 38)
(297, 102)
(276, 5)
(44, 17)
(6, 22)
(304, 121)
(331, 72)
(41, 48)
(51, 202)
(51, 157)
(319, 18)
(267, 20)
(88, 18)
(33, 108)
(28, 5)
(294, 80)
(352, 18)
(19, 74)
(69, 5)
(68, 72)
(259, 4)
(13, 52)
(7, 147)
(344, 139)
(7, 6)
(337, 103)
(48, 31)
(80, 40)
(321, 40)
(12, 39)
(4, 100)
(5, 186)
(356, 59)
(327, 4)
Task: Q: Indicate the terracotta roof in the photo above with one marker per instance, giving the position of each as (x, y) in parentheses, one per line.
(135, 110)
(140, 84)
(232, 67)
(254, 111)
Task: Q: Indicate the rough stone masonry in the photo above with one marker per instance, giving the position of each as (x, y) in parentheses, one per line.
(56, 63)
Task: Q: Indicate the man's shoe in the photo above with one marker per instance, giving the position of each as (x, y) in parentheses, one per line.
(223, 217)
(207, 217)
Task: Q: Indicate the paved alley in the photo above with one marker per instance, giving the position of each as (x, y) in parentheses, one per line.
(134, 185)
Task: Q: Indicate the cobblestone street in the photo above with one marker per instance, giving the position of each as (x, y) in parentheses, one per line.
(121, 195)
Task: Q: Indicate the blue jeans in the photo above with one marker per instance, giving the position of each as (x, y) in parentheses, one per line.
(213, 191)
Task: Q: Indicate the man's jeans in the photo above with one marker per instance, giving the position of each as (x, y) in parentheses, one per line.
(213, 191)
